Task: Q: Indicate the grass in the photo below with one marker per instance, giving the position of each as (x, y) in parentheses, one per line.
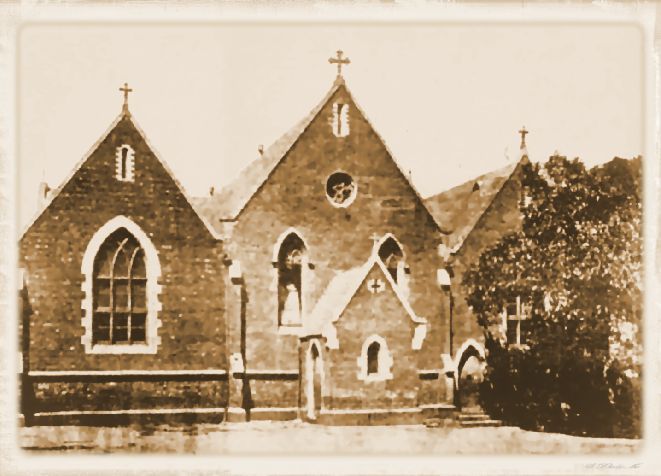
(268, 438)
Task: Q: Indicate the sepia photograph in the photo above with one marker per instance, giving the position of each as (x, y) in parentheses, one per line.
(282, 236)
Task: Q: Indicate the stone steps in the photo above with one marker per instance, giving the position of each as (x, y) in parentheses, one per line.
(481, 423)
(476, 417)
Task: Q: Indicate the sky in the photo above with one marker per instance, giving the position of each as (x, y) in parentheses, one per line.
(448, 99)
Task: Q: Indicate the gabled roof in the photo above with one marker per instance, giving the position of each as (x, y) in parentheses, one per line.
(343, 287)
(232, 199)
(125, 114)
(459, 208)
(227, 204)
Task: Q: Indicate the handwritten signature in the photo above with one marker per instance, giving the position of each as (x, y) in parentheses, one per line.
(612, 466)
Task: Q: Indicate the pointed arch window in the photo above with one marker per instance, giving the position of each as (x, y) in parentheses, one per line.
(292, 257)
(119, 291)
(392, 256)
(375, 361)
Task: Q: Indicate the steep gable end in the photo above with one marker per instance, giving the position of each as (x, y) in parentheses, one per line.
(122, 154)
(345, 285)
(234, 198)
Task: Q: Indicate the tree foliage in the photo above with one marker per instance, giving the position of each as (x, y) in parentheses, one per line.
(577, 265)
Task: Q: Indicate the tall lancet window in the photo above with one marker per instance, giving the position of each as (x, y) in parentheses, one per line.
(119, 290)
(291, 259)
(340, 120)
(392, 256)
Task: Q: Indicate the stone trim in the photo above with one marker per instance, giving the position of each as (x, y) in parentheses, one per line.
(112, 373)
(385, 361)
(353, 196)
(350, 411)
(329, 332)
(290, 329)
(309, 375)
(341, 116)
(153, 271)
(130, 163)
(132, 411)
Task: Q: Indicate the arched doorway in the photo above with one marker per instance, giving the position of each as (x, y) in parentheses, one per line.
(314, 381)
(470, 374)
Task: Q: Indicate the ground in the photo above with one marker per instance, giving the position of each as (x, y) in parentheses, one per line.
(290, 438)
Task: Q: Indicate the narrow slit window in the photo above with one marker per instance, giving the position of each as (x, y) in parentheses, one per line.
(340, 122)
(125, 153)
(124, 167)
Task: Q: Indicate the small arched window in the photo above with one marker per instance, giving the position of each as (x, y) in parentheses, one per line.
(373, 358)
(119, 291)
(375, 361)
(392, 256)
(291, 258)
(124, 163)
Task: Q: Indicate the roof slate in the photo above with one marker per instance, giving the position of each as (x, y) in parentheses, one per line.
(459, 208)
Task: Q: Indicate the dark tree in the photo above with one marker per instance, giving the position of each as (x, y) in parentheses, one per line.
(576, 266)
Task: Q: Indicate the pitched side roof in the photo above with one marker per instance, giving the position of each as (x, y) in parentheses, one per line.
(343, 287)
(459, 208)
(125, 114)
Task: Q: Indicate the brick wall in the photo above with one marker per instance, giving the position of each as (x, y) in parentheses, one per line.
(366, 315)
(502, 217)
(192, 332)
(337, 238)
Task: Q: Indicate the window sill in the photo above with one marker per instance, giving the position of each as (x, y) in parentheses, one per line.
(122, 349)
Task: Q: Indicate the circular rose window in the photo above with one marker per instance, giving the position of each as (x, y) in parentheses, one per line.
(340, 189)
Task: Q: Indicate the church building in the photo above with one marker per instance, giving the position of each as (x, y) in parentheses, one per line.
(318, 285)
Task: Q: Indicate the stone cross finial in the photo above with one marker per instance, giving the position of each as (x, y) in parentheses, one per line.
(523, 133)
(126, 90)
(339, 61)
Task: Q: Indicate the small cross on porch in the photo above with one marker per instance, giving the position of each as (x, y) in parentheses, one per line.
(376, 286)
